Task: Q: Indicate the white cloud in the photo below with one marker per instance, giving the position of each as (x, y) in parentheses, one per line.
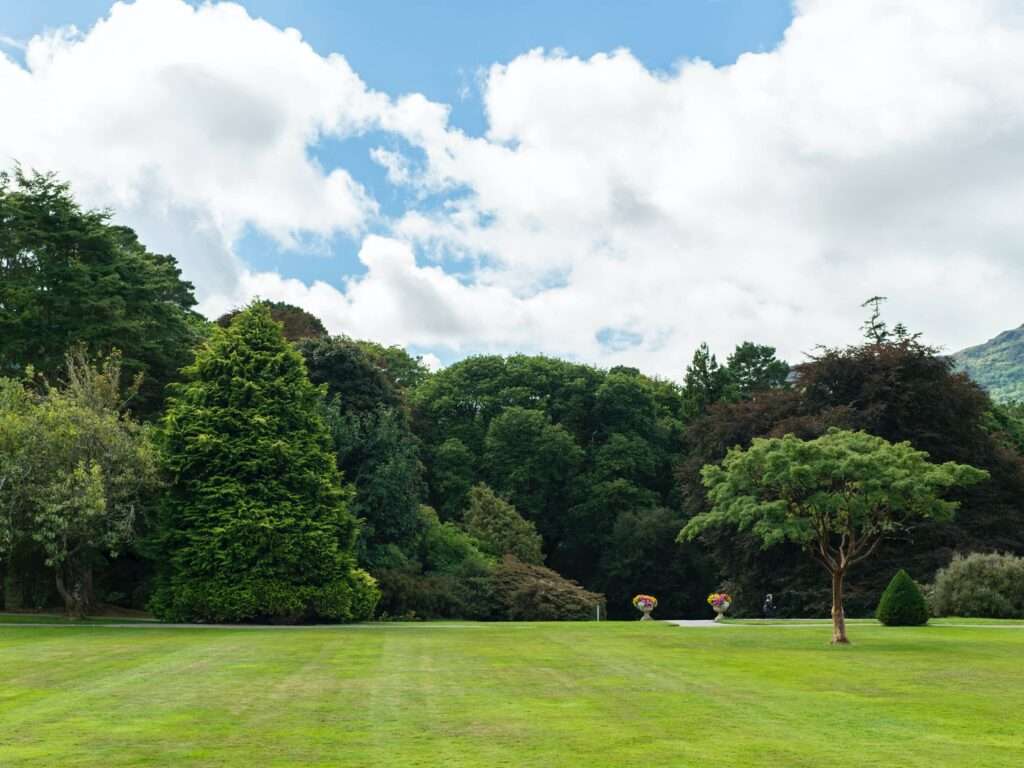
(613, 213)
(171, 112)
(877, 150)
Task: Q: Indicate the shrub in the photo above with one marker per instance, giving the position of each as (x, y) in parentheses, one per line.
(902, 604)
(433, 595)
(499, 528)
(527, 592)
(988, 585)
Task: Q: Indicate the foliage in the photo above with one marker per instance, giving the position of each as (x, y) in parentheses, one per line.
(997, 365)
(375, 448)
(351, 377)
(582, 453)
(499, 528)
(533, 462)
(527, 592)
(297, 323)
(837, 497)
(642, 552)
(1006, 423)
(980, 584)
(445, 574)
(898, 389)
(75, 472)
(705, 383)
(753, 368)
(257, 524)
(69, 276)
(377, 452)
(902, 604)
(404, 371)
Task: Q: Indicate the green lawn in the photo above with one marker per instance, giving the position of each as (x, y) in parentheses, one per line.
(610, 694)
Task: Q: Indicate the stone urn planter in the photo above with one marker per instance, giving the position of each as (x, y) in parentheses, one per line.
(719, 602)
(645, 604)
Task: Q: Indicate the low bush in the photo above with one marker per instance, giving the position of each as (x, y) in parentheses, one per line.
(414, 595)
(979, 584)
(526, 592)
(902, 604)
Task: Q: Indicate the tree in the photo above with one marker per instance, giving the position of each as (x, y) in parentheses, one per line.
(532, 462)
(297, 323)
(378, 454)
(257, 524)
(75, 472)
(572, 447)
(899, 389)
(403, 370)
(837, 497)
(499, 528)
(69, 276)
(350, 375)
(902, 604)
(754, 368)
(374, 444)
(705, 383)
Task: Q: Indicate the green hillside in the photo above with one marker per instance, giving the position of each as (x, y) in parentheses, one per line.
(997, 365)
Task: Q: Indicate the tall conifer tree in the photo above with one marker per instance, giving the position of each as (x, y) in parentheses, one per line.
(257, 524)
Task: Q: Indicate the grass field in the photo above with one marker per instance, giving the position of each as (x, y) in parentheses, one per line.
(610, 694)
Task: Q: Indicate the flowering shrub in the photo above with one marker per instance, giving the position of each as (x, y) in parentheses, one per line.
(719, 600)
(645, 602)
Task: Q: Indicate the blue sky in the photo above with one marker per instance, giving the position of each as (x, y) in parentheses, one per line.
(608, 206)
(437, 48)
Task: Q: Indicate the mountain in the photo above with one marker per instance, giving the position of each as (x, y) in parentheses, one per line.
(997, 365)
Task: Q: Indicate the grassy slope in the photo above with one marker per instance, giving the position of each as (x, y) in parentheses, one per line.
(614, 694)
(997, 365)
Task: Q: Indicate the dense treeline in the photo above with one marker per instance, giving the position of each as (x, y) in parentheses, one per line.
(259, 468)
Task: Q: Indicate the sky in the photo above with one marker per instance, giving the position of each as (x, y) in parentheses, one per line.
(609, 182)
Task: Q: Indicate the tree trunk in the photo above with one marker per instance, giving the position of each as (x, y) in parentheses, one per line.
(73, 607)
(838, 615)
(14, 599)
(88, 592)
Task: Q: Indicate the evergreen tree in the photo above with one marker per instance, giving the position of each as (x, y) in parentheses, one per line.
(499, 528)
(705, 383)
(257, 524)
(902, 604)
(754, 368)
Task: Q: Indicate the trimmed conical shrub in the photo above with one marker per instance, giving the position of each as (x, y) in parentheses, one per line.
(902, 604)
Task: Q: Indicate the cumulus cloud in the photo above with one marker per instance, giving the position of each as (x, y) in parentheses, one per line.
(610, 213)
(191, 119)
(878, 149)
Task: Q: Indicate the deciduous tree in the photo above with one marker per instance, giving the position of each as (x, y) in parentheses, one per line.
(75, 472)
(837, 496)
(70, 276)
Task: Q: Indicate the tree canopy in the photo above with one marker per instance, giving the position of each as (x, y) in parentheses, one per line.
(76, 473)
(69, 276)
(837, 497)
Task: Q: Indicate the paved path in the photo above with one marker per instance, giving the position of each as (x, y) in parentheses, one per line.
(804, 624)
(696, 623)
